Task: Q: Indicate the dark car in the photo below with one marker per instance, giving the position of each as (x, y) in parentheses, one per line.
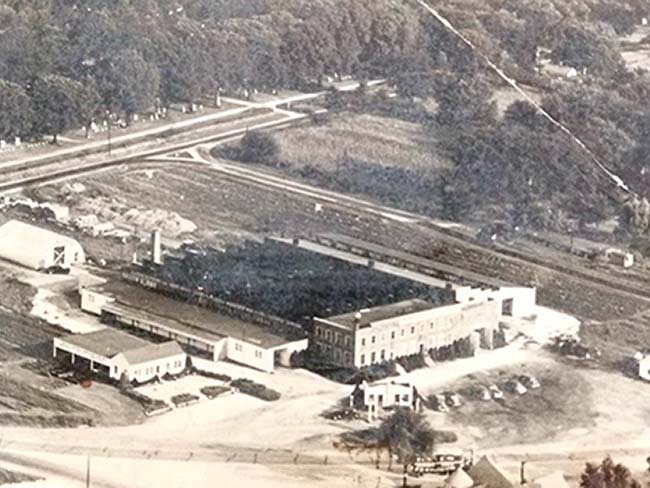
(57, 270)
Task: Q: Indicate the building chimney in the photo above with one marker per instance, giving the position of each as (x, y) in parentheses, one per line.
(357, 320)
(156, 248)
(522, 473)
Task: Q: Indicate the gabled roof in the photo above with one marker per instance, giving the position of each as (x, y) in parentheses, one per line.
(486, 473)
(152, 352)
(459, 479)
(106, 342)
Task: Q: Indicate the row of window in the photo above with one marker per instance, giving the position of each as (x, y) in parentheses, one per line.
(240, 348)
(393, 335)
(156, 369)
(333, 337)
(375, 358)
(405, 398)
(337, 354)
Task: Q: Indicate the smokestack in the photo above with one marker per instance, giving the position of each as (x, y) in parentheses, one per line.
(522, 473)
(156, 248)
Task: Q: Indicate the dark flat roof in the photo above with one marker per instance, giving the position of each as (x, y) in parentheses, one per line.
(382, 312)
(186, 317)
(106, 342)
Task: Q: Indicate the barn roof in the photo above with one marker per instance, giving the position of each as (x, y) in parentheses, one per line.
(26, 244)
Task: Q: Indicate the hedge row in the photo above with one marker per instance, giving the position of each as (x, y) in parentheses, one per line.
(255, 389)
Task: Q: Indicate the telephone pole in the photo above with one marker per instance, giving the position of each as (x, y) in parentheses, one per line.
(88, 472)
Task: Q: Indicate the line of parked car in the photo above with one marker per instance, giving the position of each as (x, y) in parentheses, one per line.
(519, 385)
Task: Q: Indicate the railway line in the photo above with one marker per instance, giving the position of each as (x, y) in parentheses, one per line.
(468, 258)
(46, 171)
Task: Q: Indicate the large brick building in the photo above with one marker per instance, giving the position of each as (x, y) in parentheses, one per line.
(387, 332)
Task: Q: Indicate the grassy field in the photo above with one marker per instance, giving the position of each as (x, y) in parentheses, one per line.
(369, 138)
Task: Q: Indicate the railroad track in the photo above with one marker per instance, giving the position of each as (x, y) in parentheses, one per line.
(54, 174)
(474, 257)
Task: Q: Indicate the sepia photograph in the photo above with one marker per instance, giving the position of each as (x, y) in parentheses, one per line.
(325, 243)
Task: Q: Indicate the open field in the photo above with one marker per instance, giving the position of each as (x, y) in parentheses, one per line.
(555, 409)
(370, 138)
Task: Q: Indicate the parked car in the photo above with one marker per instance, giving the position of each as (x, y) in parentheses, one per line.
(438, 403)
(452, 399)
(529, 382)
(484, 394)
(441, 461)
(514, 386)
(495, 391)
(57, 270)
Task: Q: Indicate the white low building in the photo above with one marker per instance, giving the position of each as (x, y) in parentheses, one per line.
(208, 332)
(386, 394)
(38, 248)
(114, 353)
(620, 258)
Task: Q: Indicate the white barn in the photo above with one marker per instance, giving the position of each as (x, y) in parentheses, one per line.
(37, 248)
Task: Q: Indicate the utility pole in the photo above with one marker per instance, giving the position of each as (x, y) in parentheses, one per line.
(108, 119)
(88, 472)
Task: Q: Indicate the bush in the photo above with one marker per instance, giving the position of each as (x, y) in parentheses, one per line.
(214, 391)
(258, 147)
(147, 403)
(215, 376)
(412, 362)
(256, 390)
(183, 399)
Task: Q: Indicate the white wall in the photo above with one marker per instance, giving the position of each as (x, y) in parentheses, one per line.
(146, 371)
(524, 299)
(644, 368)
(388, 392)
(220, 351)
(93, 301)
(250, 355)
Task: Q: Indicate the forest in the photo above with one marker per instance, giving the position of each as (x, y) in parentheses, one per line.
(64, 63)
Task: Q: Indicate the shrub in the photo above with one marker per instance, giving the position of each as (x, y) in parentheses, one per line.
(258, 147)
(214, 391)
(183, 398)
(147, 403)
(412, 362)
(257, 390)
(209, 374)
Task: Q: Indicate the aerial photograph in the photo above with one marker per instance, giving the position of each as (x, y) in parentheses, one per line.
(325, 243)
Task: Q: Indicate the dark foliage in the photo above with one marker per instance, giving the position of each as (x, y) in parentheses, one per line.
(257, 390)
(290, 283)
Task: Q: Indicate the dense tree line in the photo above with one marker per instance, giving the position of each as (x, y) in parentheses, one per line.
(127, 55)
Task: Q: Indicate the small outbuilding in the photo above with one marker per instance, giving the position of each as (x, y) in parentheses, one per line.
(620, 258)
(384, 395)
(38, 248)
